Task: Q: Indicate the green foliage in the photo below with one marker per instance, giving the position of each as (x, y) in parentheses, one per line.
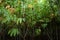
(44, 25)
(26, 14)
(13, 32)
(37, 31)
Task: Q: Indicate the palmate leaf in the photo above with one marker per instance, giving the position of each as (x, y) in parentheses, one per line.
(37, 31)
(19, 20)
(44, 25)
(13, 32)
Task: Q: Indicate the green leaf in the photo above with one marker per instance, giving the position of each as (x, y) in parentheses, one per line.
(13, 32)
(38, 31)
(20, 20)
(44, 25)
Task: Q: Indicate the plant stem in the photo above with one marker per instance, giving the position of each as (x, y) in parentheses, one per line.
(56, 33)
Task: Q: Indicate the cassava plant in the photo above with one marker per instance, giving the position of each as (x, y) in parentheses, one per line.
(21, 16)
